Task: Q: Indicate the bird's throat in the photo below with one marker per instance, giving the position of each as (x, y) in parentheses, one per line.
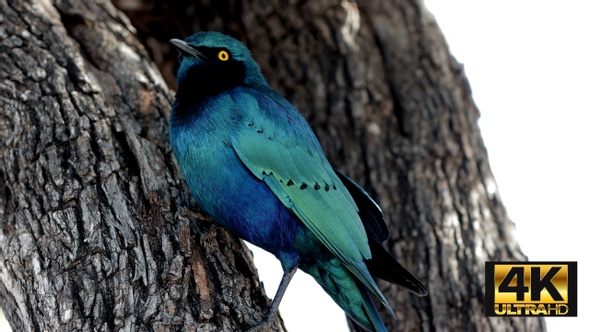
(204, 81)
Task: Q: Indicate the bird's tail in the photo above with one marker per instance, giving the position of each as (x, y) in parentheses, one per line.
(381, 265)
(349, 293)
(370, 311)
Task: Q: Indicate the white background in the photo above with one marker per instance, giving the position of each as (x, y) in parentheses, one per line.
(528, 63)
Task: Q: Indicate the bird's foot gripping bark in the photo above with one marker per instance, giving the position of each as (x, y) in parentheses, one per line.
(265, 324)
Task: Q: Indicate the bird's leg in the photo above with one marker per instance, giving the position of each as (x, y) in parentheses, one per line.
(285, 280)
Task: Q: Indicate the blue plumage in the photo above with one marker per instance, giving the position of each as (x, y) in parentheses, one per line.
(253, 163)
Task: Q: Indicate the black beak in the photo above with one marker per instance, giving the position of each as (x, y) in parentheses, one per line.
(185, 49)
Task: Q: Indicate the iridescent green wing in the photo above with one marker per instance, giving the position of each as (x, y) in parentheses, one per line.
(276, 144)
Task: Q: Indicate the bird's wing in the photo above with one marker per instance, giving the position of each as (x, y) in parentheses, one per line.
(275, 143)
(369, 212)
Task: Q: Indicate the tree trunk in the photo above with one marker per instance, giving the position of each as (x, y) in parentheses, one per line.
(90, 234)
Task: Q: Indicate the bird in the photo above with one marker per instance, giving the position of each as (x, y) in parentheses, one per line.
(255, 166)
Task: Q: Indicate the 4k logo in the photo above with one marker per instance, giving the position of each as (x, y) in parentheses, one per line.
(531, 289)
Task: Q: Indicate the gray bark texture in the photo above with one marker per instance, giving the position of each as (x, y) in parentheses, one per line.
(92, 233)
(90, 236)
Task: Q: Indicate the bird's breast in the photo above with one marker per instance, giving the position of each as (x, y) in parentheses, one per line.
(225, 189)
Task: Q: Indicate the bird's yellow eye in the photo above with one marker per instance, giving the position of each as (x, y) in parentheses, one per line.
(223, 55)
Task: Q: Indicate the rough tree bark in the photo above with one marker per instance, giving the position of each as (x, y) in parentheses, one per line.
(89, 236)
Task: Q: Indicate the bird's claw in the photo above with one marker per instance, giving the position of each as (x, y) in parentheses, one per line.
(264, 325)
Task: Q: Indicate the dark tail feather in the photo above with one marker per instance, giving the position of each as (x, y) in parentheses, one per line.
(383, 266)
(354, 327)
(370, 311)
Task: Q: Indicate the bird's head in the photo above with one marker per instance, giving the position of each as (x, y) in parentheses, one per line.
(212, 61)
